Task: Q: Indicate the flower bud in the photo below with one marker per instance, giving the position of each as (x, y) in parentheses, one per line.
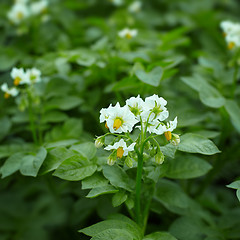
(159, 157)
(175, 139)
(99, 142)
(112, 158)
(129, 162)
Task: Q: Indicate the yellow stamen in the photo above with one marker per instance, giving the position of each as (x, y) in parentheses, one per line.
(106, 126)
(120, 152)
(19, 15)
(6, 95)
(117, 123)
(168, 135)
(231, 45)
(128, 36)
(17, 80)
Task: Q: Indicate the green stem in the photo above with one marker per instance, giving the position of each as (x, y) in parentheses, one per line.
(31, 120)
(139, 217)
(235, 78)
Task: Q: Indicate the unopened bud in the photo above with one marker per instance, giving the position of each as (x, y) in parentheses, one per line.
(129, 162)
(175, 139)
(159, 157)
(148, 145)
(112, 158)
(99, 142)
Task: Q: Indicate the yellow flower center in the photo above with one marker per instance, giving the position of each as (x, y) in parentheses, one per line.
(168, 135)
(120, 152)
(6, 95)
(128, 36)
(231, 45)
(19, 15)
(17, 80)
(117, 123)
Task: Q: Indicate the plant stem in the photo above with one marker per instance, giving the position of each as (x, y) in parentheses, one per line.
(139, 218)
(235, 78)
(31, 120)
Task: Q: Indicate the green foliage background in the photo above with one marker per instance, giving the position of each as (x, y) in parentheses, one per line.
(179, 54)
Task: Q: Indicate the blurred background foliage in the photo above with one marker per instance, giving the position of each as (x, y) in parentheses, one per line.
(179, 54)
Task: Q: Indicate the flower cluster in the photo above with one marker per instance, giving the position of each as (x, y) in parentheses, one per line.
(147, 115)
(128, 33)
(22, 10)
(231, 33)
(21, 77)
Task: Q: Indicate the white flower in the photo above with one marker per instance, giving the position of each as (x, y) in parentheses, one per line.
(121, 147)
(169, 128)
(39, 7)
(135, 104)
(18, 13)
(128, 33)
(154, 108)
(104, 113)
(19, 76)
(135, 7)
(232, 33)
(120, 119)
(9, 91)
(117, 2)
(34, 75)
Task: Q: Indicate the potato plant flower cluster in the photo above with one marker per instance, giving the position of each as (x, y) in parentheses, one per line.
(22, 10)
(148, 116)
(231, 32)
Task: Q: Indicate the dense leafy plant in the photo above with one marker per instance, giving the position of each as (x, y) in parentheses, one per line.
(61, 64)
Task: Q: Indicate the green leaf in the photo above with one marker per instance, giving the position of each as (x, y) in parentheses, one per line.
(31, 163)
(152, 78)
(54, 116)
(54, 158)
(94, 181)
(186, 167)
(63, 103)
(119, 198)
(12, 164)
(87, 149)
(61, 143)
(170, 195)
(124, 226)
(159, 236)
(101, 190)
(234, 112)
(168, 150)
(113, 234)
(118, 177)
(194, 143)
(75, 168)
(5, 124)
(234, 185)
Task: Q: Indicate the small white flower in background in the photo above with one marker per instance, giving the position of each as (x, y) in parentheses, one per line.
(120, 119)
(155, 106)
(117, 2)
(128, 33)
(39, 7)
(34, 75)
(135, 7)
(231, 33)
(18, 13)
(135, 105)
(121, 147)
(9, 91)
(19, 76)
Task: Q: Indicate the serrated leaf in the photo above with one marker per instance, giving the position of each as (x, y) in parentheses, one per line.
(101, 190)
(186, 167)
(194, 143)
(75, 168)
